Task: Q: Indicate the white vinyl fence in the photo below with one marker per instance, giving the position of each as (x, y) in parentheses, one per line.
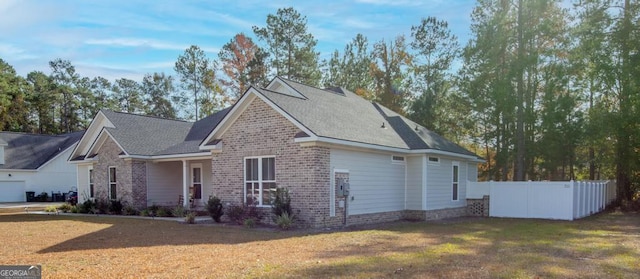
(562, 200)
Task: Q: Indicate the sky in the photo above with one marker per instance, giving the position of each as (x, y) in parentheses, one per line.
(128, 39)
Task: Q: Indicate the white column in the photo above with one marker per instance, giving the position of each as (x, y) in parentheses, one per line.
(185, 181)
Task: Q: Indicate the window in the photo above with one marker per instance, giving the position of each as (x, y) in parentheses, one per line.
(196, 181)
(434, 160)
(113, 191)
(91, 191)
(455, 180)
(397, 159)
(260, 179)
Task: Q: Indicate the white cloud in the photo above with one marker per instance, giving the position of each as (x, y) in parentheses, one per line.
(409, 3)
(139, 42)
(7, 50)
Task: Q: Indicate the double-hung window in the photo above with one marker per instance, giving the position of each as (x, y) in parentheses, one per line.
(260, 179)
(456, 180)
(91, 190)
(113, 185)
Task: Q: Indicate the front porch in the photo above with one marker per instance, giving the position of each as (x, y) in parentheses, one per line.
(185, 181)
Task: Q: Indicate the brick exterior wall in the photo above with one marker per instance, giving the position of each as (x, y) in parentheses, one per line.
(131, 176)
(305, 171)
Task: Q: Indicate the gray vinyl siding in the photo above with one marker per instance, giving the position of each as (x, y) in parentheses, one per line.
(164, 183)
(377, 185)
(439, 184)
(472, 172)
(415, 170)
(83, 182)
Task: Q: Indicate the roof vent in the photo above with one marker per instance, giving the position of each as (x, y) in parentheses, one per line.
(336, 89)
(383, 127)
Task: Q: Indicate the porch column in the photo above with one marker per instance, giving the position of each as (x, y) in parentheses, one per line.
(185, 181)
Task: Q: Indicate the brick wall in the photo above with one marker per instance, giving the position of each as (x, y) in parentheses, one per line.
(130, 176)
(305, 171)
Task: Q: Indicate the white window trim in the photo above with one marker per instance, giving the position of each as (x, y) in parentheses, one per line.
(259, 181)
(109, 181)
(398, 162)
(455, 164)
(90, 183)
(197, 166)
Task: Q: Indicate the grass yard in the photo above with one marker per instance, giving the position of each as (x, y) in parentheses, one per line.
(603, 246)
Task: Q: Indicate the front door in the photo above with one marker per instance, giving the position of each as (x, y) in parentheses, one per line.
(196, 181)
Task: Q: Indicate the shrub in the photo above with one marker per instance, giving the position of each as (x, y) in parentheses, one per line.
(249, 222)
(65, 207)
(190, 218)
(163, 212)
(281, 203)
(215, 208)
(88, 206)
(51, 208)
(236, 213)
(130, 210)
(115, 207)
(241, 213)
(102, 206)
(145, 212)
(179, 211)
(74, 209)
(284, 221)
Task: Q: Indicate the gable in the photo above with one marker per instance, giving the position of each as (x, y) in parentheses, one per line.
(244, 105)
(99, 122)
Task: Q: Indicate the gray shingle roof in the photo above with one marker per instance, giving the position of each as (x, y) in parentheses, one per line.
(30, 151)
(347, 116)
(147, 135)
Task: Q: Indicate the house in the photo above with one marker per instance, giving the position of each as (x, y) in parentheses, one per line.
(345, 160)
(36, 163)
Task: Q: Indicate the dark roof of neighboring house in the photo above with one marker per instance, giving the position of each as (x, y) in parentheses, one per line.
(30, 151)
(340, 114)
(148, 135)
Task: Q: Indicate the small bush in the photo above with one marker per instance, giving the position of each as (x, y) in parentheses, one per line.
(145, 212)
(215, 208)
(190, 218)
(163, 212)
(179, 211)
(236, 213)
(240, 213)
(249, 222)
(284, 221)
(51, 208)
(74, 209)
(130, 210)
(65, 207)
(115, 207)
(281, 202)
(102, 206)
(88, 206)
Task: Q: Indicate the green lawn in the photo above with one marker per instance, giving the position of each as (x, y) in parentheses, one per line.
(602, 246)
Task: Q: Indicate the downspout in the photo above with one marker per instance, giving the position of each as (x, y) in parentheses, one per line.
(185, 187)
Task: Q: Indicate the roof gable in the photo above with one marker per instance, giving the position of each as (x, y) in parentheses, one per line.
(241, 105)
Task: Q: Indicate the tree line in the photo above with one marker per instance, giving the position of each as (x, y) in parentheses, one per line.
(540, 91)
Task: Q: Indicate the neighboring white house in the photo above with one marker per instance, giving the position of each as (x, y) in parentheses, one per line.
(37, 163)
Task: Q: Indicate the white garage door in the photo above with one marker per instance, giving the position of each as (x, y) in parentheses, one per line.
(12, 191)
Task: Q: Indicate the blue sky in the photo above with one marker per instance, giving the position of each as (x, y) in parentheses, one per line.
(130, 38)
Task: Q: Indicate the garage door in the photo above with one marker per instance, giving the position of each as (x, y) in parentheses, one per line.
(12, 191)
